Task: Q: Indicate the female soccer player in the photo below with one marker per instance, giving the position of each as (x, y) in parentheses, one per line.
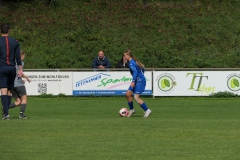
(138, 84)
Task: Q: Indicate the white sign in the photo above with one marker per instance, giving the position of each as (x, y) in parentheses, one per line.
(49, 83)
(106, 83)
(194, 83)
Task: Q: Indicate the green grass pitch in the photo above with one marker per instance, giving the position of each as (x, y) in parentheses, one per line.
(91, 129)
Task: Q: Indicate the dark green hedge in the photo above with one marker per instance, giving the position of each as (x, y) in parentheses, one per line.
(177, 33)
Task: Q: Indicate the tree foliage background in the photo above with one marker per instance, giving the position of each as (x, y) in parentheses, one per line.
(162, 34)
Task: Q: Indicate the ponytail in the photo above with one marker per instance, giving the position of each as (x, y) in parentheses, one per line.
(139, 63)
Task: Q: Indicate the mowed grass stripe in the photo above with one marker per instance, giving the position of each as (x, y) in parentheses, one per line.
(90, 128)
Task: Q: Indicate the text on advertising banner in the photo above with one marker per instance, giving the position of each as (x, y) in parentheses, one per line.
(194, 83)
(106, 83)
(49, 83)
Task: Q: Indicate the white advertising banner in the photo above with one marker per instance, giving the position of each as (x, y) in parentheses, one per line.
(106, 83)
(49, 83)
(195, 83)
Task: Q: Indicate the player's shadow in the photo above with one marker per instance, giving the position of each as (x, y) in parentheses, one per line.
(17, 117)
(136, 116)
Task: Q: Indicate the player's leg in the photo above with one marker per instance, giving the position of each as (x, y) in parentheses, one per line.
(130, 101)
(16, 103)
(140, 87)
(22, 92)
(4, 91)
(9, 96)
(143, 105)
(4, 99)
(23, 106)
(10, 72)
(17, 98)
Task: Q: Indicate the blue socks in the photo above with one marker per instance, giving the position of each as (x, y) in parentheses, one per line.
(5, 105)
(130, 104)
(144, 106)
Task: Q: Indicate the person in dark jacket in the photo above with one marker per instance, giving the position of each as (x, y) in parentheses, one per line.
(9, 56)
(123, 63)
(101, 61)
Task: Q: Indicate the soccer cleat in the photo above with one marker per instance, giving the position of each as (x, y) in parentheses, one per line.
(5, 117)
(22, 116)
(131, 112)
(147, 113)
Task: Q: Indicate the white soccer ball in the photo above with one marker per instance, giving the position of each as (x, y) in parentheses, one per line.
(123, 112)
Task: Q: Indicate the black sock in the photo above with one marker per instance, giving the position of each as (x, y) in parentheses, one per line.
(4, 99)
(9, 100)
(22, 108)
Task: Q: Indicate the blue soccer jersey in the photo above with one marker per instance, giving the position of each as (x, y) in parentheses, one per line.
(138, 77)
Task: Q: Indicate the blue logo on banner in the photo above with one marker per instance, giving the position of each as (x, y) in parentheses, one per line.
(90, 79)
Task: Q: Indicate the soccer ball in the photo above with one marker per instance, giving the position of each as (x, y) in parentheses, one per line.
(123, 112)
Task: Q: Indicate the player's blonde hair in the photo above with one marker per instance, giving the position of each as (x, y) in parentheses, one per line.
(139, 63)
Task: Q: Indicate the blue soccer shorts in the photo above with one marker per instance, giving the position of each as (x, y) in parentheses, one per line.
(138, 88)
(7, 76)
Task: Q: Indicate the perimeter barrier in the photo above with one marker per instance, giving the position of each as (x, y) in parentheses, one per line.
(113, 82)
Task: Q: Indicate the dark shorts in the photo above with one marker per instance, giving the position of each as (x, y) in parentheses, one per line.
(7, 76)
(139, 87)
(18, 92)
